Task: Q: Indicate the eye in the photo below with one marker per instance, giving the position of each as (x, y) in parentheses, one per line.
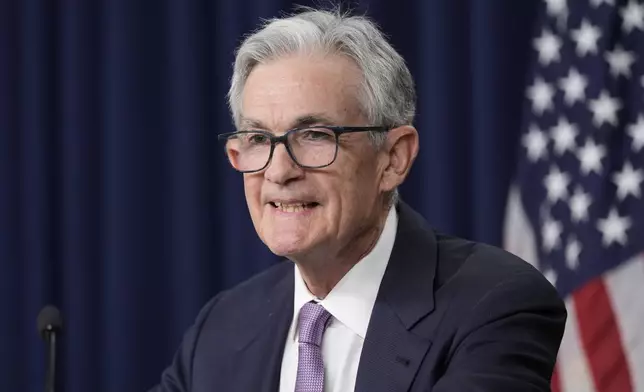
(317, 134)
(257, 138)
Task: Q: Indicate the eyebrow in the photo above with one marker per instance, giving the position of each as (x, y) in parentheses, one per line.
(301, 121)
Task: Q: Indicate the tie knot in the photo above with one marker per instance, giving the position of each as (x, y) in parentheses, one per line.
(312, 323)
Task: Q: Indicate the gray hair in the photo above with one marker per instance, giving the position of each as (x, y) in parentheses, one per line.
(388, 96)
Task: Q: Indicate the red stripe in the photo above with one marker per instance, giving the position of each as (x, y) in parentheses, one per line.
(600, 338)
(555, 382)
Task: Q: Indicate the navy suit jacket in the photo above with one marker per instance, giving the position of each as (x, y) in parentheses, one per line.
(450, 315)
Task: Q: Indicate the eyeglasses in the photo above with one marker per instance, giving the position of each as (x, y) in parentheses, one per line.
(310, 147)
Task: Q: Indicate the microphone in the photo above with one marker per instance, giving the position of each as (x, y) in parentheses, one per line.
(50, 323)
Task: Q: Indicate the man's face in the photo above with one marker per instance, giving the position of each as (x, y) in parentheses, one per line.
(340, 201)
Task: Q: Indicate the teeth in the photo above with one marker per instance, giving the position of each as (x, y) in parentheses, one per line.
(297, 207)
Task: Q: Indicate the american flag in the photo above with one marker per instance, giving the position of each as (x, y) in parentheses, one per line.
(576, 208)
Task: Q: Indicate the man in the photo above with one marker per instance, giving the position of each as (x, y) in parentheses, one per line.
(370, 298)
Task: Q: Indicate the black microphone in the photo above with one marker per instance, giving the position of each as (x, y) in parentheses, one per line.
(50, 323)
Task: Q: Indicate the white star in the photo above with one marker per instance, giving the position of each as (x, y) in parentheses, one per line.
(557, 7)
(573, 250)
(590, 157)
(614, 228)
(536, 142)
(564, 134)
(541, 94)
(586, 38)
(551, 275)
(579, 204)
(574, 87)
(633, 15)
(620, 61)
(636, 131)
(628, 181)
(605, 109)
(551, 233)
(556, 183)
(548, 46)
(597, 3)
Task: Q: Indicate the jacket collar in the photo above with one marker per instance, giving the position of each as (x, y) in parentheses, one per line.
(395, 344)
(408, 284)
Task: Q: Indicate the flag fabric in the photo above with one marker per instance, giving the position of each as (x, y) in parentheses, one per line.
(576, 207)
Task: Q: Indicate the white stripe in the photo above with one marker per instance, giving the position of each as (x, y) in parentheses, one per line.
(572, 363)
(518, 235)
(626, 291)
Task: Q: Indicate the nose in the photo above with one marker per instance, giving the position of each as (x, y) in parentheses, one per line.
(282, 169)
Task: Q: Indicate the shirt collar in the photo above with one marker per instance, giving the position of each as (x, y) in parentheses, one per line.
(351, 300)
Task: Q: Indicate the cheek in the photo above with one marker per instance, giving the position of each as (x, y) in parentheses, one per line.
(362, 179)
(253, 194)
(357, 191)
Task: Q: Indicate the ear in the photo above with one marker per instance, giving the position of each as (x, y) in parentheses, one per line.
(401, 150)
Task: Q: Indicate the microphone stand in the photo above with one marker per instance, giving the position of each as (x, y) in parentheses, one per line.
(50, 382)
(50, 323)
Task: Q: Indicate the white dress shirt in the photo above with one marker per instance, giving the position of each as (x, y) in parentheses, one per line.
(350, 303)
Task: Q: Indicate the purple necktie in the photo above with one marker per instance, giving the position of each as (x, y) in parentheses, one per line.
(310, 367)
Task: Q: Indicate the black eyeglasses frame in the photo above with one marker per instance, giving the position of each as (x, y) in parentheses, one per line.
(337, 131)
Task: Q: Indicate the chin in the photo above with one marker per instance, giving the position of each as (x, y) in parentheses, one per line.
(287, 245)
(284, 248)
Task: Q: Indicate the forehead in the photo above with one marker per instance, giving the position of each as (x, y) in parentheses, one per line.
(281, 92)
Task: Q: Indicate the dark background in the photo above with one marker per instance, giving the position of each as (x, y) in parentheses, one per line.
(117, 204)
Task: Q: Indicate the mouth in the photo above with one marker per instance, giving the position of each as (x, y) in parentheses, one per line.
(293, 206)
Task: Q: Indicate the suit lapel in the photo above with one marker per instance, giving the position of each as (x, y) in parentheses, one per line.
(393, 349)
(261, 346)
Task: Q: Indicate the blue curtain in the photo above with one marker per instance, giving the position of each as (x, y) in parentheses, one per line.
(117, 204)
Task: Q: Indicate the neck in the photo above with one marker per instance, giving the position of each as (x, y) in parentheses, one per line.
(321, 273)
